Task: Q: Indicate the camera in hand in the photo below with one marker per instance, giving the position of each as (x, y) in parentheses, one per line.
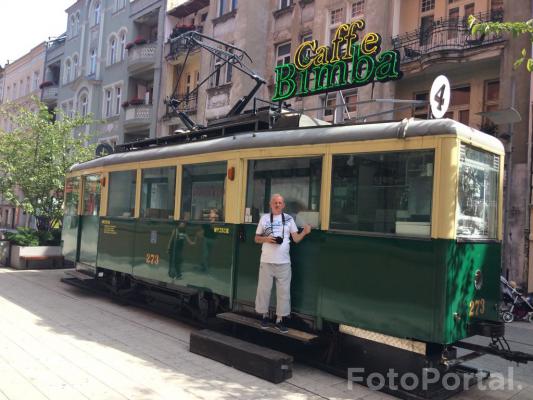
(279, 239)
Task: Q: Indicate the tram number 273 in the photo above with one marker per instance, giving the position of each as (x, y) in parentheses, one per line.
(151, 258)
(476, 308)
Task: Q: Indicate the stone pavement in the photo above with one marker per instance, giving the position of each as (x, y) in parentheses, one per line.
(58, 342)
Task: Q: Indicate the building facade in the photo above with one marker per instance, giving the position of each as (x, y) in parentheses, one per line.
(21, 80)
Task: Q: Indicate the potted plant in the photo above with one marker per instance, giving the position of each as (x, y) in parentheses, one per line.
(139, 40)
(129, 45)
(136, 101)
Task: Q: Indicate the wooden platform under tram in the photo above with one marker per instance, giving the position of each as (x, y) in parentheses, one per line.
(239, 319)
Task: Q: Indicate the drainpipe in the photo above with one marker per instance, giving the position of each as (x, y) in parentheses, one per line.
(509, 185)
(529, 200)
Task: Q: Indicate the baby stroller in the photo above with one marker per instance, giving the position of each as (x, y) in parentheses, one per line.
(515, 306)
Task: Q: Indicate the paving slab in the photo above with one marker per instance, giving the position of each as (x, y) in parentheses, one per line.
(59, 342)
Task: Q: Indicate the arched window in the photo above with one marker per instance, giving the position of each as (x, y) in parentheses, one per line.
(66, 75)
(96, 13)
(122, 45)
(92, 68)
(83, 104)
(75, 67)
(72, 26)
(77, 22)
(112, 50)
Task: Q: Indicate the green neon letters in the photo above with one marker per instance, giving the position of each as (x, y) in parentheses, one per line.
(347, 63)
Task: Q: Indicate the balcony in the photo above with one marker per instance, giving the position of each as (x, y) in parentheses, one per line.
(49, 94)
(183, 8)
(176, 51)
(142, 57)
(138, 116)
(187, 104)
(451, 36)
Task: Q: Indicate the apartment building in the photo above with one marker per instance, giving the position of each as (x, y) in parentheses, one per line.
(432, 38)
(111, 66)
(21, 80)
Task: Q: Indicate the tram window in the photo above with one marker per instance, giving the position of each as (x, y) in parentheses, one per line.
(91, 194)
(157, 193)
(72, 196)
(202, 195)
(296, 179)
(121, 202)
(383, 192)
(477, 213)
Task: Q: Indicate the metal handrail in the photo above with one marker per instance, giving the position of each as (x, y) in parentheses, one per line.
(445, 34)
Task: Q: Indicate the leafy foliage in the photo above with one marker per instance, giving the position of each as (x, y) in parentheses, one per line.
(514, 28)
(35, 156)
(31, 237)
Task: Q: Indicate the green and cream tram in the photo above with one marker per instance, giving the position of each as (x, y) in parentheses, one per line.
(406, 221)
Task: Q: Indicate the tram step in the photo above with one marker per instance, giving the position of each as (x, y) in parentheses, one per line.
(262, 362)
(78, 275)
(254, 323)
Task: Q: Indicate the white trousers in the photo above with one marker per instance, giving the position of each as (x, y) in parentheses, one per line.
(282, 274)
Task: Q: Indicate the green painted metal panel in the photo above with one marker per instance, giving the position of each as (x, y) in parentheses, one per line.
(117, 243)
(89, 226)
(305, 271)
(464, 302)
(69, 237)
(189, 254)
(381, 284)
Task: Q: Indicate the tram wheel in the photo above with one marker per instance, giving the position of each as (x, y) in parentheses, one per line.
(508, 317)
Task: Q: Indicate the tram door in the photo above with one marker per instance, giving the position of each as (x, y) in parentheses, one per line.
(71, 220)
(89, 220)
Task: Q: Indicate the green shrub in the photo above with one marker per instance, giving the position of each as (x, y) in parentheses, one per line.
(32, 237)
(23, 237)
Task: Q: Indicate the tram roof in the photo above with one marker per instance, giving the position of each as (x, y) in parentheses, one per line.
(303, 136)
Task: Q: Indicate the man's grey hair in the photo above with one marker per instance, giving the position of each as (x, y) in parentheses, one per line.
(276, 195)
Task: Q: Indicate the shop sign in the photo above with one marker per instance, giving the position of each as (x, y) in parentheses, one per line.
(348, 62)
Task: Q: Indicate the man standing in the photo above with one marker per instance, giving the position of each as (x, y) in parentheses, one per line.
(273, 233)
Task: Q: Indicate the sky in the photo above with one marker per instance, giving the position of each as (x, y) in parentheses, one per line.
(26, 23)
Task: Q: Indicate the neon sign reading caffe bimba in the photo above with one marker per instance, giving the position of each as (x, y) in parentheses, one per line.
(347, 63)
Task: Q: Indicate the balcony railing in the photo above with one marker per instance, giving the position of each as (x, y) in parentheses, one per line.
(178, 48)
(141, 56)
(50, 93)
(445, 34)
(138, 115)
(187, 104)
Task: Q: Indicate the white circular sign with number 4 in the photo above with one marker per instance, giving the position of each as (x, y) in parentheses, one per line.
(439, 96)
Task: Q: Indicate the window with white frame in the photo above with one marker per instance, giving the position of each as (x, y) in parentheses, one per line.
(118, 99)
(427, 5)
(92, 65)
(27, 84)
(284, 3)
(35, 83)
(68, 70)
(119, 4)
(96, 13)
(283, 53)
(21, 88)
(112, 50)
(72, 25)
(75, 68)
(77, 22)
(226, 6)
(108, 103)
(336, 17)
(122, 46)
(83, 104)
(358, 9)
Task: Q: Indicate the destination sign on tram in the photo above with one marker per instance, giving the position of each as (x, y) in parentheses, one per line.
(349, 61)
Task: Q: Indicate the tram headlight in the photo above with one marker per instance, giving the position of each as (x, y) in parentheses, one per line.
(478, 279)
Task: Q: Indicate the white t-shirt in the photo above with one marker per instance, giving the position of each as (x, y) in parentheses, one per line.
(272, 252)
